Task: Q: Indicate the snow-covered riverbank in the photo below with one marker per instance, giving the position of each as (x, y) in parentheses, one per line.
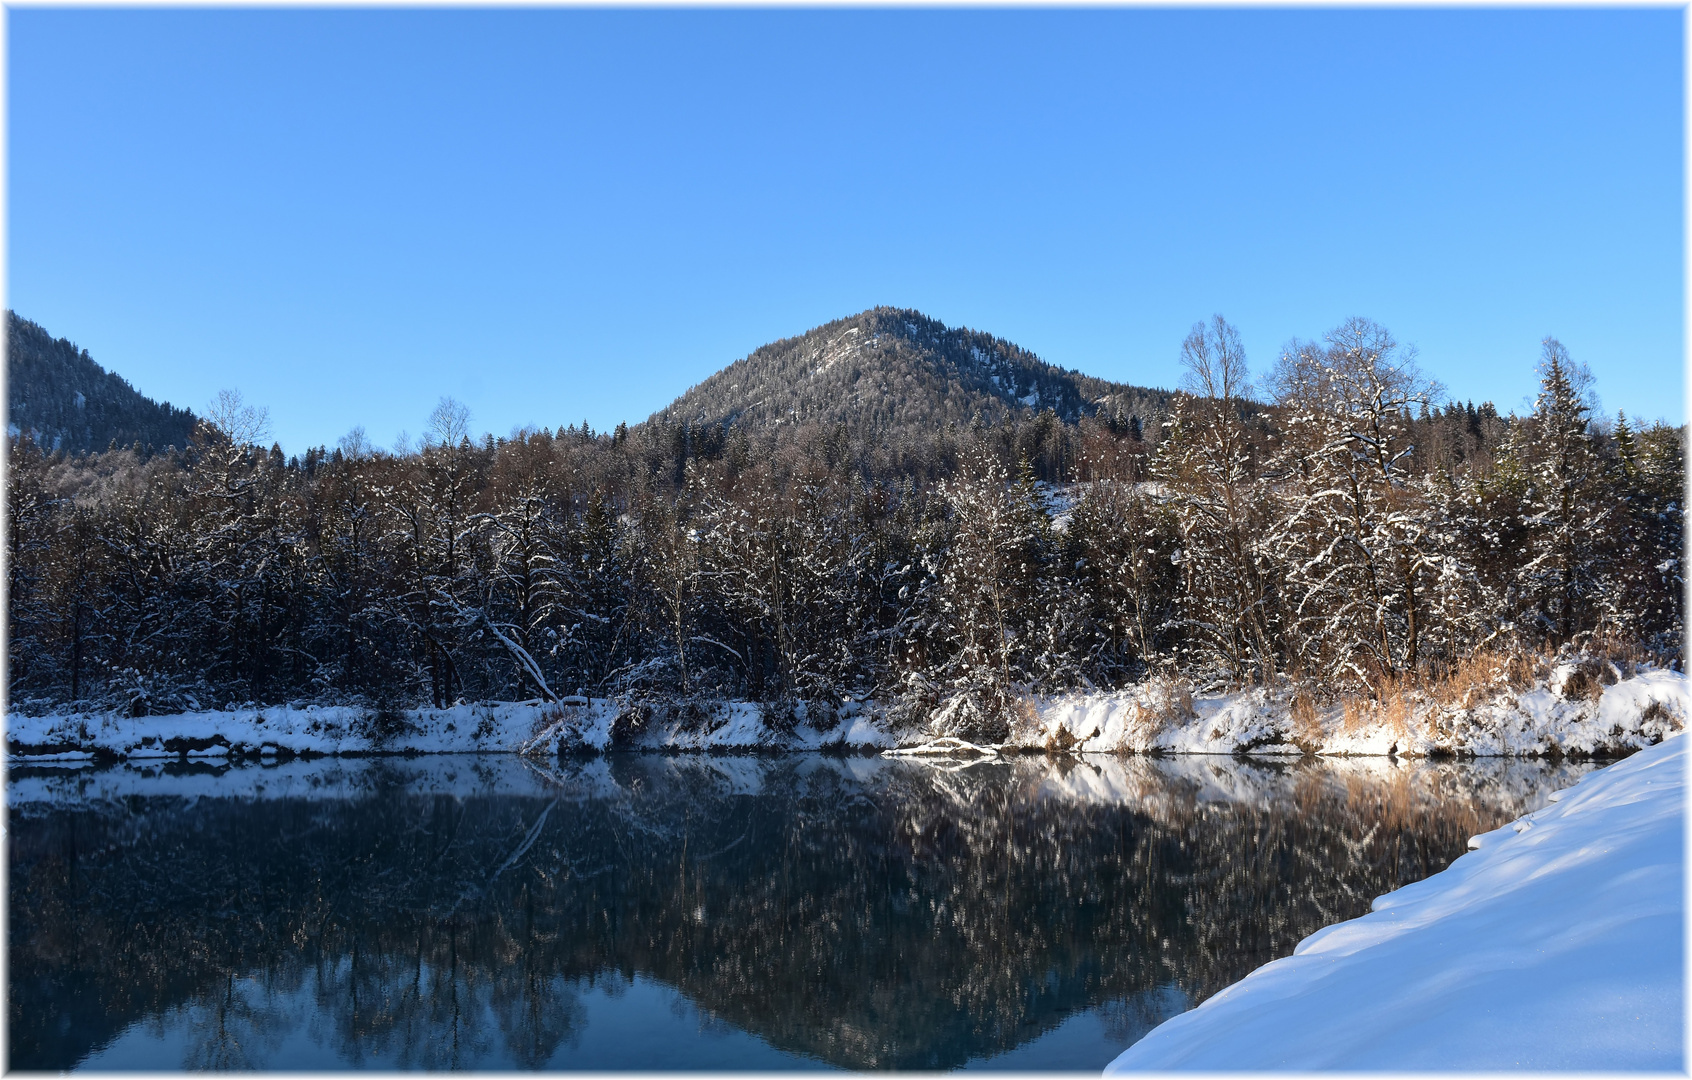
(1559, 943)
(493, 727)
(1566, 712)
(1561, 714)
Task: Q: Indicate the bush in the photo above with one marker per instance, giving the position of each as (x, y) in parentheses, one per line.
(382, 724)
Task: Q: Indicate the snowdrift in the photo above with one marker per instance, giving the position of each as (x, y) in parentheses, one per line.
(1558, 942)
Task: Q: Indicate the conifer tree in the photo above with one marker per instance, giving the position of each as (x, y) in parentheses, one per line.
(1566, 511)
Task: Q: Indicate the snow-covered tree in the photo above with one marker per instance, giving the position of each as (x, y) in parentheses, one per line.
(1119, 548)
(1207, 466)
(1354, 529)
(1567, 514)
(994, 600)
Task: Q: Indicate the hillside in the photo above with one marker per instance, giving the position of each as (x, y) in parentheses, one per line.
(887, 371)
(57, 393)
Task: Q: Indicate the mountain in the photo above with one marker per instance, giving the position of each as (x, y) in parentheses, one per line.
(887, 371)
(888, 376)
(65, 401)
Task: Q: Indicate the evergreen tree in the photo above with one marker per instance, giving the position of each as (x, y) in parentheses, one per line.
(1566, 511)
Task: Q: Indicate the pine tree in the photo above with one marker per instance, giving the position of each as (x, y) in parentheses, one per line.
(1566, 513)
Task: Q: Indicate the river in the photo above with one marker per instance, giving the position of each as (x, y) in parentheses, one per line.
(649, 911)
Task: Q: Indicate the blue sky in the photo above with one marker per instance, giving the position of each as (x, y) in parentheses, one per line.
(569, 214)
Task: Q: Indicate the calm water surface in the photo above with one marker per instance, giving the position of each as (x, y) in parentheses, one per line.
(688, 912)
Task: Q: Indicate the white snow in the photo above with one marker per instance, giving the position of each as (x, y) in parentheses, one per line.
(494, 726)
(1158, 715)
(1539, 719)
(1154, 717)
(1558, 943)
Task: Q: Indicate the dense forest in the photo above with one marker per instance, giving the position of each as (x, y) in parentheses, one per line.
(63, 400)
(1340, 525)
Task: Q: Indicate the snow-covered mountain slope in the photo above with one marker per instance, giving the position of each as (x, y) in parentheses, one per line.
(1557, 943)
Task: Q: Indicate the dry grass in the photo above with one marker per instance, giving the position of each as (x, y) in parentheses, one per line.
(1393, 711)
(1023, 720)
(1306, 720)
(1484, 676)
(1166, 702)
(545, 717)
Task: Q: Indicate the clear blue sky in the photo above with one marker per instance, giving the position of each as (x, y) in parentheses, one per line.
(559, 215)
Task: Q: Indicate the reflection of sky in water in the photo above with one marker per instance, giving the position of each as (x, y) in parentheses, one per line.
(1088, 1041)
(694, 912)
(616, 1024)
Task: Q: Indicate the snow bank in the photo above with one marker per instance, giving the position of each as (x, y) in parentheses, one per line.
(1558, 943)
(495, 726)
(1633, 713)
(1552, 717)
(1153, 717)
(1158, 716)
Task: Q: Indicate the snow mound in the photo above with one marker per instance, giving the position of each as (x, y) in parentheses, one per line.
(1157, 716)
(1558, 943)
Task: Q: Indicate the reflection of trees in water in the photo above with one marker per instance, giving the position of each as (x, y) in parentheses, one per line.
(239, 1026)
(392, 1004)
(868, 913)
(1126, 1020)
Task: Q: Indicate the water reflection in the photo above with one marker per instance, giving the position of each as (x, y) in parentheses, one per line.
(689, 911)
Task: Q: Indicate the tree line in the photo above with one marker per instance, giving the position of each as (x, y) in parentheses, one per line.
(1354, 532)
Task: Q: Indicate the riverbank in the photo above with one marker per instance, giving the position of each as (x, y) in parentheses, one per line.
(1558, 942)
(532, 727)
(1575, 708)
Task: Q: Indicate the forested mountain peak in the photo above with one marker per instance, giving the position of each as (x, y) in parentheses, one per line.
(58, 395)
(889, 369)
